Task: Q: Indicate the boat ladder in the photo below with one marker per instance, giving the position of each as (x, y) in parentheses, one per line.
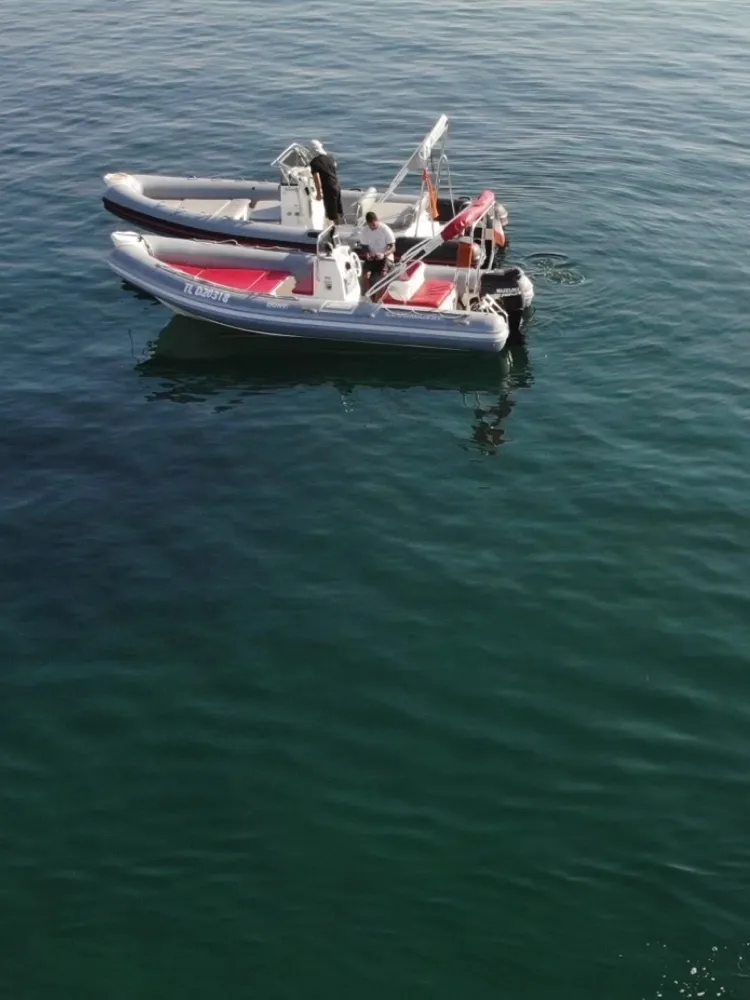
(488, 304)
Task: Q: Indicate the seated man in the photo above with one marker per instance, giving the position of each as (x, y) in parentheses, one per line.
(379, 242)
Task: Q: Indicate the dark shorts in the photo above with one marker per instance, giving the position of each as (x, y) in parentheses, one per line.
(377, 268)
(332, 201)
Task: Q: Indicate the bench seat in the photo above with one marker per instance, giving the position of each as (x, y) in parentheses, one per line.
(435, 293)
(257, 280)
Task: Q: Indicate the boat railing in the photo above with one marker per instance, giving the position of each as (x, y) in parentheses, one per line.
(488, 304)
(457, 315)
(464, 223)
(337, 307)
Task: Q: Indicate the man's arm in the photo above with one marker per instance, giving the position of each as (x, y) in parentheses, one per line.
(316, 178)
(366, 244)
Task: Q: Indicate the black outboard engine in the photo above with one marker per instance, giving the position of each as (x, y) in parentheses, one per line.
(512, 289)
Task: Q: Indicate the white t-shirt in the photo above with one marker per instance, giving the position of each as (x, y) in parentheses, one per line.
(376, 240)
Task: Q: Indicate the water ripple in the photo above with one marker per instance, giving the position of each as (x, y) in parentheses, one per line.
(359, 672)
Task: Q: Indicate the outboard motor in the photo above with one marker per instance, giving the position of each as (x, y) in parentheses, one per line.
(300, 205)
(511, 288)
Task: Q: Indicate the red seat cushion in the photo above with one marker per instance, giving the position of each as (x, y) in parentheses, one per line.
(431, 294)
(268, 282)
(246, 279)
(242, 278)
(413, 268)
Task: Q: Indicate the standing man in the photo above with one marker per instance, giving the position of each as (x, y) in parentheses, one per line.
(379, 242)
(326, 177)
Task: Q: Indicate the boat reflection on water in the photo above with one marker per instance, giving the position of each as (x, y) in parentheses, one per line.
(193, 361)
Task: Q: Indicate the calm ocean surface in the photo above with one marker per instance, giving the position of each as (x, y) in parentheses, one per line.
(348, 675)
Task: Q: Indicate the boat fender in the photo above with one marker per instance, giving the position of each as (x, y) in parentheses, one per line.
(467, 252)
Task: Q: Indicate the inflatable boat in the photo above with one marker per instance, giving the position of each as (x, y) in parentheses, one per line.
(288, 213)
(319, 296)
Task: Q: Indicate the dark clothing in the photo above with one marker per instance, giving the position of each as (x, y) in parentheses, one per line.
(373, 270)
(324, 165)
(333, 206)
(375, 267)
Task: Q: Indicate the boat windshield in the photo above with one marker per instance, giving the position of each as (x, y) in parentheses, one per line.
(295, 155)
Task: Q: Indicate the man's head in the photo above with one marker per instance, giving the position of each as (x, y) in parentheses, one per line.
(316, 146)
(372, 220)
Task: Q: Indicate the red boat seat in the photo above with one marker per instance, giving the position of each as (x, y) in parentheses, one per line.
(432, 294)
(270, 282)
(401, 289)
(258, 280)
(187, 268)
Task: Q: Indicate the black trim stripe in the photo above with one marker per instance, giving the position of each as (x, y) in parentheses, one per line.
(162, 227)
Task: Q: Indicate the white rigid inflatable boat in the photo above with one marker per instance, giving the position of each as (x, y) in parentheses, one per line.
(288, 213)
(290, 294)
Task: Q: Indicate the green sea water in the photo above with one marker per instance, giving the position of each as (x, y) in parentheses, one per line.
(375, 675)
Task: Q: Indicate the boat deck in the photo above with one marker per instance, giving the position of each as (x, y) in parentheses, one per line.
(431, 294)
(258, 280)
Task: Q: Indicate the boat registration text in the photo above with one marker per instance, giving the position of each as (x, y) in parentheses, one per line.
(202, 292)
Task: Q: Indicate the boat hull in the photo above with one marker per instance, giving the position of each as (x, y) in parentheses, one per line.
(139, 262)
(125, 199)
